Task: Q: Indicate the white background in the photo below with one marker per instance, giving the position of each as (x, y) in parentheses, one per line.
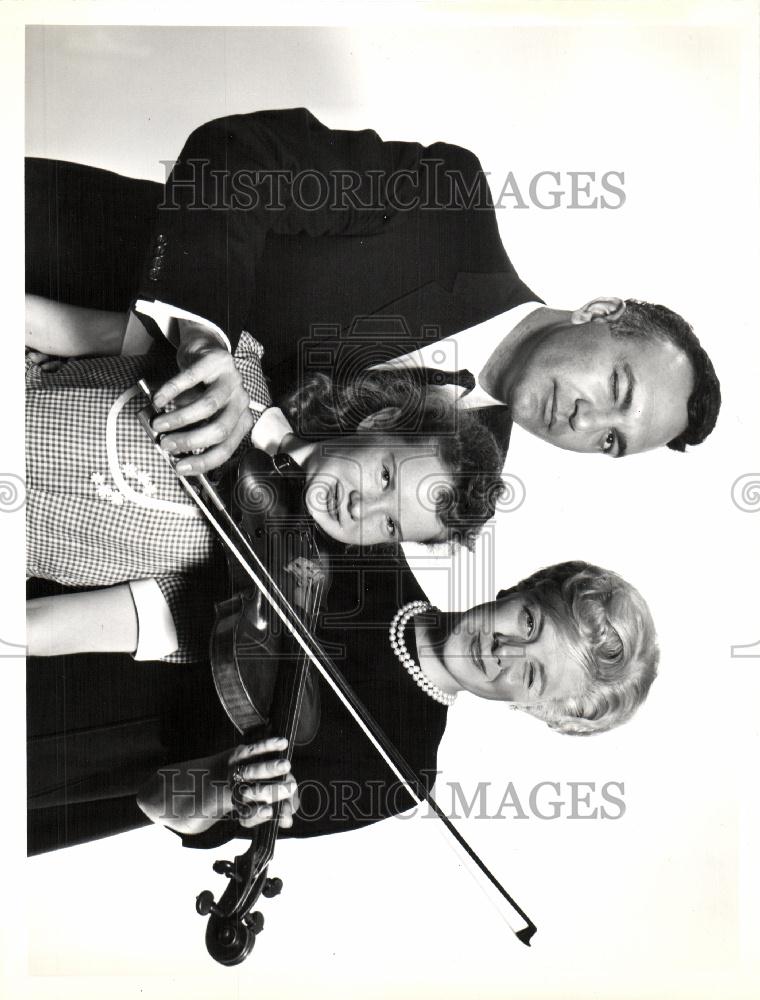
(664, 901)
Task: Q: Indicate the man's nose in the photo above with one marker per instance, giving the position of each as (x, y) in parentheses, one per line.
(586, 417)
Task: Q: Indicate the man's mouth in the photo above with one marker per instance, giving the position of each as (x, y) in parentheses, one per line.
(550, 408)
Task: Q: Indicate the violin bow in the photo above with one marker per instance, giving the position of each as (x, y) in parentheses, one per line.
(209, 502)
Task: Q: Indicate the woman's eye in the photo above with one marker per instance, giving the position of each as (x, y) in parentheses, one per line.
(609, 442)
(530, 622)
(531, 675)
(391, 525)
(385, 476)
(615, 386)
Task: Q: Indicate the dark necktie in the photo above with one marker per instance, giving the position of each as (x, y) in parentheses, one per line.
(463, 378)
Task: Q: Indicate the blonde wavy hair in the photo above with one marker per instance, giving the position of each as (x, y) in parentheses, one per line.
(610, 628)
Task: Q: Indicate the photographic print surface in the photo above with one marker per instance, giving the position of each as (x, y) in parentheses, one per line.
(619, 148)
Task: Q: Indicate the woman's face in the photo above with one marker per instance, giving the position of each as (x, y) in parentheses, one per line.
(363, 492)
(512, 650)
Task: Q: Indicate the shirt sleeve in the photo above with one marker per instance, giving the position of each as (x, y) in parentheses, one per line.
(248, 355)
(269, 430)
(156, 633)
(175, 616)
(164, 317)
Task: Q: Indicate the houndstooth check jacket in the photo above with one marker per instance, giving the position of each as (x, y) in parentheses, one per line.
(103, 507)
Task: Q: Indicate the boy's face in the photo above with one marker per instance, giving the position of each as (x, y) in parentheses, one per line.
(364, 492)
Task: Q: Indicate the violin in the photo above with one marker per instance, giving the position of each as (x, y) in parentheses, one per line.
(232, 924)
(261, 681)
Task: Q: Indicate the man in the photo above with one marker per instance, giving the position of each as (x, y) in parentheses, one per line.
(273, 222)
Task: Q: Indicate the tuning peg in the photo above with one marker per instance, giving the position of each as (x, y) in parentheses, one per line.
(205, 904)
(226, 868)
(255, 921)
(272, 887)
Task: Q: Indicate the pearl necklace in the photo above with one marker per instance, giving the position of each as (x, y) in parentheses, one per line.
(398, 644)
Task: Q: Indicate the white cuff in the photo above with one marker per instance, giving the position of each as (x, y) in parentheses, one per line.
(269, 430)
(156, 633)
(163, 315)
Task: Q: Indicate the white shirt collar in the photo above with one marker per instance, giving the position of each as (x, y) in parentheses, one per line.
(470, 349)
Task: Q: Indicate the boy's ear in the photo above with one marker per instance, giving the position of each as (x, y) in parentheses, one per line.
(382, 419)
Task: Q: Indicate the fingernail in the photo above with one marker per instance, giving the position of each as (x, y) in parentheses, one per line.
(159, 400)
(183, 467)
(283, 763)
(160, 425)
(169, 446)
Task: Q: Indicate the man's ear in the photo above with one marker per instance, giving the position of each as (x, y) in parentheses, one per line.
(382, 419)
(601, 308)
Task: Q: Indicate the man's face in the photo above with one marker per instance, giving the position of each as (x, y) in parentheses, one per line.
(582, 389)
(364, 493)
(512, 650)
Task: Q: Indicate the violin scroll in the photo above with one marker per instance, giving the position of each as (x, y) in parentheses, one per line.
(232, 922)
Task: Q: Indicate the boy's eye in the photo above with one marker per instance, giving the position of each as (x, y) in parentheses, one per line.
(609, 442)
(385, 476)
(530, 622)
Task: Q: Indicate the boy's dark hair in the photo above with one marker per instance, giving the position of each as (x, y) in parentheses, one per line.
(400, 403)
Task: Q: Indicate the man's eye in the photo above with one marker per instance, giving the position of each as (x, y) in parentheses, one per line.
(609, 442)
(531, 675)
(615, 386)
(385, 476)
(530, 622)
(391, 525)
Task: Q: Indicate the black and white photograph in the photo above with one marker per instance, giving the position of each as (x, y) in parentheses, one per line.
(388, 491)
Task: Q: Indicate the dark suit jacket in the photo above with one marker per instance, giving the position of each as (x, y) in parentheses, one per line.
(235, 237)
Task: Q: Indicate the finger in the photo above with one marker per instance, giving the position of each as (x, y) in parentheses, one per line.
(37, 357)
(261, 770)
(193, 465)
(254, 815)
(286, 814)
(245, 750)
(205, 369)
(267, 794)
(186, 433)
(221, 394)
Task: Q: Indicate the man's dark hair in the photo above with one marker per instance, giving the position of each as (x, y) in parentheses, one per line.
(646, 320)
